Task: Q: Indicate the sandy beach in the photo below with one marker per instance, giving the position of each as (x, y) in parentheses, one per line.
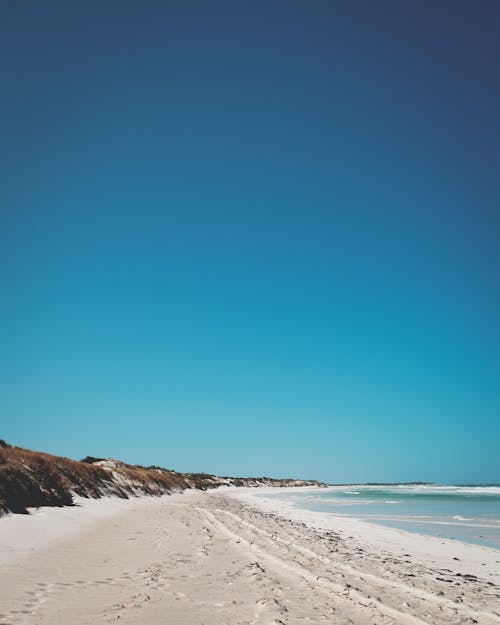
(226, 557)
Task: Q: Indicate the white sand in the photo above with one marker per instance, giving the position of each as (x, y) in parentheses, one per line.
(212, 558)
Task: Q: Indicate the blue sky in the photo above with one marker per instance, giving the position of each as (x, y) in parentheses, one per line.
(253, 237)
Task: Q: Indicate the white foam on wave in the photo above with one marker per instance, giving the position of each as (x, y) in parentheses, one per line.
(486, 526)
(436, 489)
(475, 490)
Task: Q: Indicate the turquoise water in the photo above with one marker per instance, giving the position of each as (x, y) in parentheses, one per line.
(466, 513)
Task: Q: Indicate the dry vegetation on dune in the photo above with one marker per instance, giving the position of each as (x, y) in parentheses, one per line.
(32, 479)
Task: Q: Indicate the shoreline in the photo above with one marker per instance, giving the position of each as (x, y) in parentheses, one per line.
(225, 557)
(424, 547)
(449, 525)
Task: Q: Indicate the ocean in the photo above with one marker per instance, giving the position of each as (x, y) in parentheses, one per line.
(466, 513)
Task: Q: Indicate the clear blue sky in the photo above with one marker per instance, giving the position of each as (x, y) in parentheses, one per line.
(253, 237)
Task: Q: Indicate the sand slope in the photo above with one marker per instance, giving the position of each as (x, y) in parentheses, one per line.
(211, 559)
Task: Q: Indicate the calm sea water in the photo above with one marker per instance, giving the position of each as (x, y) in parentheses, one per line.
(467, 513)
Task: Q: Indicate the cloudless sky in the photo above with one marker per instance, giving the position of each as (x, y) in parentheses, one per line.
(253, 237)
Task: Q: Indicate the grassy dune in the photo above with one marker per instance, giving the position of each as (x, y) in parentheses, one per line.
(32, 479)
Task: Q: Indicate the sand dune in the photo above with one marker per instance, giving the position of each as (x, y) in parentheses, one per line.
(211, 559)
(33, 478)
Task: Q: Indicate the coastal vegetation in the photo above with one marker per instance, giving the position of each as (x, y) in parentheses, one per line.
(32, 479)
